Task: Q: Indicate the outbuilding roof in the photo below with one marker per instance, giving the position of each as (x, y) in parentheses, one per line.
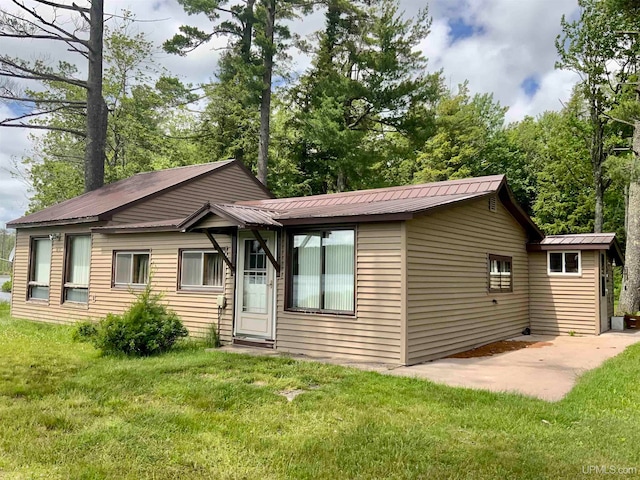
(94, 206)
(580, 241)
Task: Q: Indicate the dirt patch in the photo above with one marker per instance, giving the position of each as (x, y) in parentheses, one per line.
(499, 347)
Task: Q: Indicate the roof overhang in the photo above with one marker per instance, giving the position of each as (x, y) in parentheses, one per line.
(612, 247)
(55, 223)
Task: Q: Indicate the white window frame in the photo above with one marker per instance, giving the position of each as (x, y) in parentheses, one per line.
(564, 273)
(202, 252)
(115, 267)
(500, 258)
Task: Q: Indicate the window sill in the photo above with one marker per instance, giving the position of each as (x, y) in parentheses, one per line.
(196, 290)
(38, 301)
(128, 287)
(76, 305)
(323, 313)
(561, 274)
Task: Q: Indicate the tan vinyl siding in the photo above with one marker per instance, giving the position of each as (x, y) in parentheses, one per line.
(449, 307)
(564, 303)
(230, 184)
(213, 221)
(374, 333)
(197, 309)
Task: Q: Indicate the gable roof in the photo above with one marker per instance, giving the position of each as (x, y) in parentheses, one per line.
(99, 204)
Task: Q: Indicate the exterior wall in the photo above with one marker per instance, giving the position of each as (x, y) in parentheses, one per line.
(561, 304)
(230, 184)
(449, 307)
(197, 309)
(45, 311)
(374, 333)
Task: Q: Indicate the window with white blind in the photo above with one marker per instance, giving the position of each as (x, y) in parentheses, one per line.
(78, 259)
(40, 268)
(131, 268)
(201, 269)
(500, 274)
(321, 274)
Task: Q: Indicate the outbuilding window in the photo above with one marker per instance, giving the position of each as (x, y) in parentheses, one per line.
(564, 263)
(321, 272)
(131, 268)
(78, 259)
(40, 268)
(500, 278)
(201, 269)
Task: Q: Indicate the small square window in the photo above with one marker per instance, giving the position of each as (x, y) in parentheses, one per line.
(564, 263)
(131, 268)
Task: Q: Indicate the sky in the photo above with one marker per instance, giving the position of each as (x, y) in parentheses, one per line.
(503, 47)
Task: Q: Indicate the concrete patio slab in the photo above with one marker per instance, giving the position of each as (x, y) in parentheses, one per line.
(547, 372)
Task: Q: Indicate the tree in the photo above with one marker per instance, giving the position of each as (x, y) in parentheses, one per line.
(628, 53)
(254, 39)
(32, 23)
(148, 126)
(367, 85)
(586, 46)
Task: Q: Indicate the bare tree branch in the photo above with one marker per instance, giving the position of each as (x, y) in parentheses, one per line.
(45, 127)
(73, 7)
(35, 100)
(36, 75)
(34, 13)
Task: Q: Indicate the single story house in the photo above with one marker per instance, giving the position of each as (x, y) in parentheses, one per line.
(398, 275)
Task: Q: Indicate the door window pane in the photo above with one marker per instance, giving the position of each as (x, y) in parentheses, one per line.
(254, 286)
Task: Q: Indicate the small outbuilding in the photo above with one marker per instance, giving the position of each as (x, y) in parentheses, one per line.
(398, 275)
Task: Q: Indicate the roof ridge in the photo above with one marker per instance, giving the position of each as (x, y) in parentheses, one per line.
(177, 168)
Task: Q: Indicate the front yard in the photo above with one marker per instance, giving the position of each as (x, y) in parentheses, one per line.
(66, 412)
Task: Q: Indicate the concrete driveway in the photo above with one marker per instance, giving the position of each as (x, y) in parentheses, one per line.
(546, 372)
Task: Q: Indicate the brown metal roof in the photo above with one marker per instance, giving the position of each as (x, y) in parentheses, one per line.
(407, 206)
(158, 225)
(246, 215)
(437, 189)
(93, 205)
(579, 239)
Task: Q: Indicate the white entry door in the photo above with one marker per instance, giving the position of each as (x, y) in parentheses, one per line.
(604, 294)
(255, 286)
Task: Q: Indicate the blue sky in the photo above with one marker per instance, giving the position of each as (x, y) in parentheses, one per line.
(504, 47)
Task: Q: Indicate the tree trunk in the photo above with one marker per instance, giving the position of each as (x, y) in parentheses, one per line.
(265, 102)
(630, 294)
(597, 159)
(598, 223)
(96, 107)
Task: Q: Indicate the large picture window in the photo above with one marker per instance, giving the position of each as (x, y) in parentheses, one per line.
(131, 268)
(500, 279)
(78, 256)
(201, 269)
(40, 268)
(322, 271)
(564, 263)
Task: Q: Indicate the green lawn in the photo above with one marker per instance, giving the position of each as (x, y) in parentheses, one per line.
(66, 412)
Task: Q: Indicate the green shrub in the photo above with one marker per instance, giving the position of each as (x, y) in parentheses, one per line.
(6, 286)
(146, 328)
(84, 331)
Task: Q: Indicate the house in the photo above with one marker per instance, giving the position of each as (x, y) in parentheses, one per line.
(397, 275)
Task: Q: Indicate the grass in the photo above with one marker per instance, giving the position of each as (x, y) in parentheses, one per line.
(67, 412)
